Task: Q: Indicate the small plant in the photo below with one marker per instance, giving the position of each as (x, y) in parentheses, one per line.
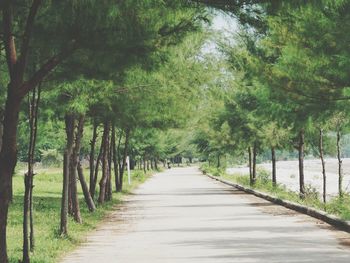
(51, 158)
(263, 175)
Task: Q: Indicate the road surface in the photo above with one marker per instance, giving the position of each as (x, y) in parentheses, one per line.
(183, 216)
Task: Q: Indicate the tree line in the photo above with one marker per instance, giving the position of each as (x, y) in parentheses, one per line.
(289, 65)
(97, 81)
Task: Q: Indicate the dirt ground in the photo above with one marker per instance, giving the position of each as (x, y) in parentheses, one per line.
(287, 174)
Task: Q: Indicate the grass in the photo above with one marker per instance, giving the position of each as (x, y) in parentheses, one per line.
(47, 201)
(337, 206)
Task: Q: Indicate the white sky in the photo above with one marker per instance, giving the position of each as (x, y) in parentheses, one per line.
(222, 23)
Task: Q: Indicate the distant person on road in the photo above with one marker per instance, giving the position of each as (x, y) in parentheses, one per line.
(169, 165)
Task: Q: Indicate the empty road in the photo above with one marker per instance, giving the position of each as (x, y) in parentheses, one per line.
(183, 216)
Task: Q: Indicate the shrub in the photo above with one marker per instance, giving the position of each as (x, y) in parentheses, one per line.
(51, 158)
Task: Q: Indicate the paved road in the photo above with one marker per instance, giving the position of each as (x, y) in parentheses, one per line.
(183, 216)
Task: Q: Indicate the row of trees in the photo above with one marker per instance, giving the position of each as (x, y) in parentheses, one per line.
(289, 89)
(94, 80)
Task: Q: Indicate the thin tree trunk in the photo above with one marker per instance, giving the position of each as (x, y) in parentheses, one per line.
(254, 162)
(73, 176)
(76, 165)
(28, 244)
(250, 166)
(273, 159)
(156, 164)
(87, 196)
(66, 167)
(92, 156)
(218, 164)
(31, 205)
(1, 126)
(109, 179)
(115, 160)
(340, 166)
(125, 153)
(103, 181)
(301, 163)
(323, 166)
(98, 160)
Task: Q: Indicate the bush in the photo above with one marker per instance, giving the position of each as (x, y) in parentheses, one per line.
(51, 158)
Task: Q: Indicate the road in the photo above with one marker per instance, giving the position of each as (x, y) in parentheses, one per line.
(183, 216)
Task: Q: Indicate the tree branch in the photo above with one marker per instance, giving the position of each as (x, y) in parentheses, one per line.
(46, 69)
(9, 41)
(22, 61)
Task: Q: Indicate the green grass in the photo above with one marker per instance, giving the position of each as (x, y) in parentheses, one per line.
(337, 206)
(47, 202)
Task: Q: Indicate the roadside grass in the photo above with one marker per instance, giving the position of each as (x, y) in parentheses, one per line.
(49, 246)
(337, 206)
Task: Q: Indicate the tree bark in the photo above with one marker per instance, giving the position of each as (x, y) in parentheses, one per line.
(115, 160)
(92, 156)
(98, 160)
(73, 173)
(103, 181)
(109, 179)
(65, 195)
(254, 162)
(88, 199)
(66, 167)
(301, 163)
(250, 166)
(125, 153)
(1, 126)
(323, 166)
(156, 164)
(28, 244)
(340, 165)
(274, 171)
(8, 160)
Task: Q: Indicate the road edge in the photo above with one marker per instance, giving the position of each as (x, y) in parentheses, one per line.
(318, 214)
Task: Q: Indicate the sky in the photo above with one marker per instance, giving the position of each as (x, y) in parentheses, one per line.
(222, 23)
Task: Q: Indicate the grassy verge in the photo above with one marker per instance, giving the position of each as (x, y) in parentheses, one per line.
(47, 202)
(337, 206)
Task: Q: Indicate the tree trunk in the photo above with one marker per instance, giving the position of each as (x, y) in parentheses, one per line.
(115, 159)
(1, 126)
(92, 157)
(156, 164)
(77, 170)
(109, 180)
(218, 159)
(125, 153)
(254, 162)
(88, 199)
(340, 165)
(250, 166)
(8, 159)
(103, 181)
(301, 163)
(66, 167)
(323, 166)
(28, 244)
(73, 171)
(94, 181)
(273, 159)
